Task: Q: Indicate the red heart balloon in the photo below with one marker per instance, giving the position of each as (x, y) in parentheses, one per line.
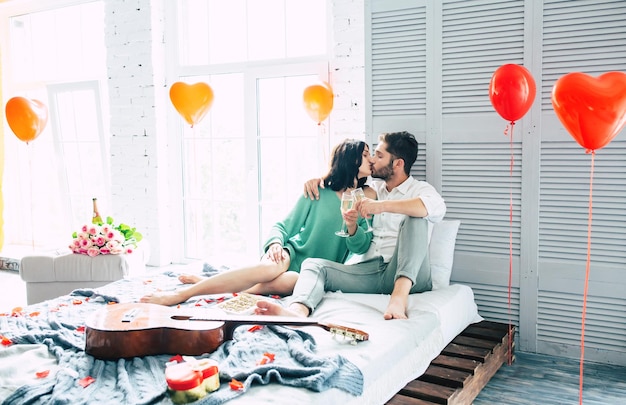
(26, 118)
(512, 91)
(593, 110)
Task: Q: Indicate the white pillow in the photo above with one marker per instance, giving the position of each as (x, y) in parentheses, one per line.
(441, 251)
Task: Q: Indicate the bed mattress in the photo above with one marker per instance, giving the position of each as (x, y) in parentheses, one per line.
(50, 336)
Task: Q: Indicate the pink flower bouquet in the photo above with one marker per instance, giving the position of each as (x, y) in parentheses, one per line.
(105, 239)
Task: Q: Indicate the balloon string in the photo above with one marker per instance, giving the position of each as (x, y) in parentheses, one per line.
(325, 142)
(194, 146)
(32, 210)
(584, 312)
(510, 340)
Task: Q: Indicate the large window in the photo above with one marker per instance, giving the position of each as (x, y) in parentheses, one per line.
(244, 165)
(56, 56)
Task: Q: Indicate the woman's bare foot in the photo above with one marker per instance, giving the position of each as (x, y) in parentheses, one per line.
(189, 278)
(264, 307)
(163, 298)
(396, 309)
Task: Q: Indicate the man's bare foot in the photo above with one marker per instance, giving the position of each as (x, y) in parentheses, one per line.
(272, 308)
(163, 298)
(396, 309)
(189, 278)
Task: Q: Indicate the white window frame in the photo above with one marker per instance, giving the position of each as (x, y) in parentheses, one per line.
(76, 215)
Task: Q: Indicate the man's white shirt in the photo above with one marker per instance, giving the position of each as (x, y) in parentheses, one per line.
(386, 225)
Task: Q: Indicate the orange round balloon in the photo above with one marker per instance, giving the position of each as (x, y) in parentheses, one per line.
(592, 110)
(192, 101)
(318, 101)
(27, 118)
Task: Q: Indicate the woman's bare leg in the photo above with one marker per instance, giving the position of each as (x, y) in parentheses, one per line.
(190, 278)
(281, 285)
(284, 286)
(235, 280)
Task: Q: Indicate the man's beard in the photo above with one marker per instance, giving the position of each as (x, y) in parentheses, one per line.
(383, 173)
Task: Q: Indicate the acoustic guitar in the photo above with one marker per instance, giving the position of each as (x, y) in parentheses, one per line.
(142, 329)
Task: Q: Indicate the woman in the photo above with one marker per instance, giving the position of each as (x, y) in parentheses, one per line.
(308, 231)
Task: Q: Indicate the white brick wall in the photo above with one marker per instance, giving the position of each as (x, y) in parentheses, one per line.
(135, 65)
(348, 71)
(139, 102)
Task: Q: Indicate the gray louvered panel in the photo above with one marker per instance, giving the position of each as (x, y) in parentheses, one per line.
(568, 303)
(477, 38)
(581, 36)
(418, 170)
(398, 58)
(603, 250)
(493, 302)
(564, 203)
(560, 320)
(477, 186)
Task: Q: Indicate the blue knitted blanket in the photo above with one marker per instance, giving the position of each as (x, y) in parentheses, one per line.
(59, 325)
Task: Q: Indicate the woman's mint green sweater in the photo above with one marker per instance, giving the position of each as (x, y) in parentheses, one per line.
(309, 231)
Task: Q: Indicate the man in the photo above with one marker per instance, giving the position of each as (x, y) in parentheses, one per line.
(397, 261)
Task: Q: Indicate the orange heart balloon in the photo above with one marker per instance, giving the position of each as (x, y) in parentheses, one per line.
(593, 110)
(318, 101)
(26, 118)
(192, 101)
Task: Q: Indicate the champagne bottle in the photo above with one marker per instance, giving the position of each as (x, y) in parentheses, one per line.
(97, 219)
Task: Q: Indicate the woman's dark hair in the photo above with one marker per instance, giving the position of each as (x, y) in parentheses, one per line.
(344, 165)
(401, 145)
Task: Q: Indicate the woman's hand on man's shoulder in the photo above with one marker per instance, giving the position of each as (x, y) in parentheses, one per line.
(311, 188)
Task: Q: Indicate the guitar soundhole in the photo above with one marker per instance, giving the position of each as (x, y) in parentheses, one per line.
(181, 317)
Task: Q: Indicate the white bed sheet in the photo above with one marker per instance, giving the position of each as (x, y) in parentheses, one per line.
(397, 351)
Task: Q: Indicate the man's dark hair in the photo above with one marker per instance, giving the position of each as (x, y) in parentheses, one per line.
(402, 145)
(345, 162)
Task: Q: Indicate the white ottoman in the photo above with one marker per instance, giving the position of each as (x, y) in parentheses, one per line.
(49, 276)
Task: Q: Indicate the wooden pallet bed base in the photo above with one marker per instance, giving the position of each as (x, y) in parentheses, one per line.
(462, 369)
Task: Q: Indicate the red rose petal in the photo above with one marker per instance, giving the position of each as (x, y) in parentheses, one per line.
(235, 385)
(267, 358)
(87, 381)
(255, 328)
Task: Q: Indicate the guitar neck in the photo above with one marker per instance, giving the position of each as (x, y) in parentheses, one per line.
(335, 329)
(261, 320)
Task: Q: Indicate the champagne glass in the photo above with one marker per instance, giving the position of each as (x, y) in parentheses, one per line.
(347, 201)
(359, 195)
